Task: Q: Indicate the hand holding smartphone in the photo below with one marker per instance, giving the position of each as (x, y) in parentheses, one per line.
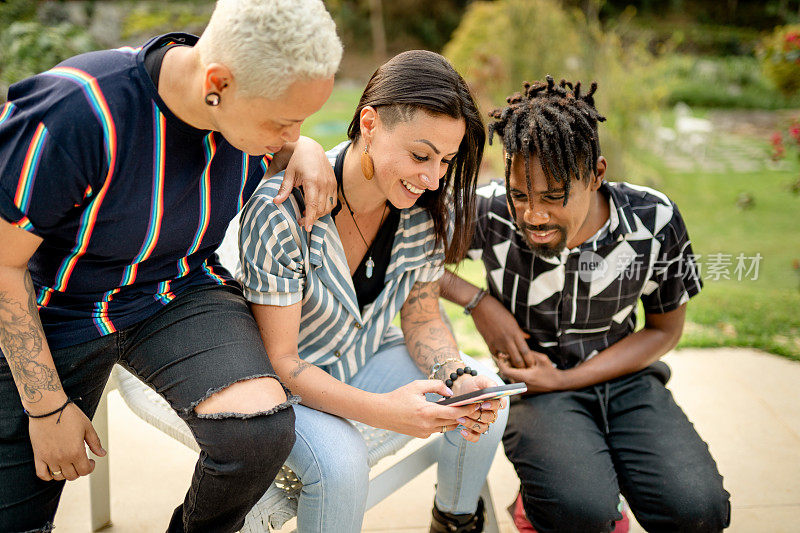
(483, 395)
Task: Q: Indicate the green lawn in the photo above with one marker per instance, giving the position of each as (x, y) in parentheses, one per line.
(329, 126)
(762, 313)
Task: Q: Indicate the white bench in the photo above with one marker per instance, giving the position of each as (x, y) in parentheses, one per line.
(279, 503)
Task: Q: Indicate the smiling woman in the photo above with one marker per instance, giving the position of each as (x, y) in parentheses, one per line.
(324, 300)
(423, 86)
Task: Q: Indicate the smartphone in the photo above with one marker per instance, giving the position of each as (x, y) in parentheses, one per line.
(490, 393)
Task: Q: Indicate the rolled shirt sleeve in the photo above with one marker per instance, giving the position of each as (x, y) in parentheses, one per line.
(270, 252)
(40, 182)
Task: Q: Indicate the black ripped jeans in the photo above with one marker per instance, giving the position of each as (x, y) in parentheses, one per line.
(575, 451)
(203, 341)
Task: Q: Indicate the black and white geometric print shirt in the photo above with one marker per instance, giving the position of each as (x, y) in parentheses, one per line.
(583, 301)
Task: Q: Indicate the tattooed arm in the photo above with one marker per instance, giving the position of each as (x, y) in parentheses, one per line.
(23, 343)
(279, 327)
(21, 336)
(404, 410)
(429, 341)
(56, 446)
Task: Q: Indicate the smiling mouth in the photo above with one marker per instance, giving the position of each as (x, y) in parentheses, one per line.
(411, 188)
(541, 237)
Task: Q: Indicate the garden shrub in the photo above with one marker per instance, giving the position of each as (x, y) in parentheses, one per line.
(146, 19)
(27, 48)
(722, 82)
(780, 58)
(499, 44)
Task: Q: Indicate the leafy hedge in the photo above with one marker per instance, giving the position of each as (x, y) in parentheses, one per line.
(500, 44)
(27, 48)
(780, 56)
(729, 82)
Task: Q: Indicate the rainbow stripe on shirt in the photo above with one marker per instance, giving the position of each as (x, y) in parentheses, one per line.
(99, 106)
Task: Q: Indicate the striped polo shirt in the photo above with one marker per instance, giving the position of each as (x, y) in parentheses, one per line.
(130, 201)
(282, 264)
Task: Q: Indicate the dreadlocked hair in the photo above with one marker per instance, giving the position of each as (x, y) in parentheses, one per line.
(558, 124)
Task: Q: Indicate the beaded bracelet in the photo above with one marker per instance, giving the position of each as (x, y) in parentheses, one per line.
(458, 373)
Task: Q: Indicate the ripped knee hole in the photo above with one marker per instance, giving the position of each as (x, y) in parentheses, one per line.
(253, 396)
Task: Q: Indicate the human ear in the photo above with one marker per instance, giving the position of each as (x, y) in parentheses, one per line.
(218, 78)
(600, 175)
(368, 120)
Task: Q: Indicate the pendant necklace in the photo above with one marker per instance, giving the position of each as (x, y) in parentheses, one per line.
(370, 264)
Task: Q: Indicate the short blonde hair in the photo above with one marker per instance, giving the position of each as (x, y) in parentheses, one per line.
(269, 44)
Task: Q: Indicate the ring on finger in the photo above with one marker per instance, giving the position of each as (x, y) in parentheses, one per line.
(444, 429)
(55, 473)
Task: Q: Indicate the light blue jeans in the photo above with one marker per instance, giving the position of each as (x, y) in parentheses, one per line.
(330, 456)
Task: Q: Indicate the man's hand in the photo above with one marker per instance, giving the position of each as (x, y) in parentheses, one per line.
(310, 168)
(58, 449)
(539, 373)
(500, 330)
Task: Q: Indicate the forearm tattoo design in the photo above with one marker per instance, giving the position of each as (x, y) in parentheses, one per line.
(22, 339)
(427, 338)
(300, 368)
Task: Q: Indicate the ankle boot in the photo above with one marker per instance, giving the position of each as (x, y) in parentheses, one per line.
(458, 523)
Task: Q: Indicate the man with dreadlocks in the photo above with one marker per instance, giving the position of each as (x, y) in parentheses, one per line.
(568, 256)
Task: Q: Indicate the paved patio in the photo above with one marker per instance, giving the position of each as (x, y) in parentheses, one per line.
(745, 403)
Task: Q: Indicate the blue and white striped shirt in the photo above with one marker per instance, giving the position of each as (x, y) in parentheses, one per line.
(281, 264)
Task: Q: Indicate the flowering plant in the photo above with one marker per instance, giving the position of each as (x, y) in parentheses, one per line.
(779, 142)
(780, 58)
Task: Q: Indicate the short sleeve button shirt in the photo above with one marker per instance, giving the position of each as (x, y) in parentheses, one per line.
(282, 264)
(583, 301)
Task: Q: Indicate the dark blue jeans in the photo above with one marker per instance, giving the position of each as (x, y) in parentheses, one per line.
(575, 451)
(202, 342)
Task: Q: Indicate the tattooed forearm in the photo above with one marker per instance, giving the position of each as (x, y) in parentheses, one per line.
(22, 340)
(300, 368)
(428, 339)
(428, 351)
(421, 303)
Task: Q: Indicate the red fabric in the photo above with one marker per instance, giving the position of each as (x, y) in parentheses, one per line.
(524, 526)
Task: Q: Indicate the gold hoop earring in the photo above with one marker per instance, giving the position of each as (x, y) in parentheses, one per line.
(367, 166)
(212, 99)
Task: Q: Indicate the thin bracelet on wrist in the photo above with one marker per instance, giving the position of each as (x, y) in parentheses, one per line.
(438, 366)
(474, 302)
(60, 410)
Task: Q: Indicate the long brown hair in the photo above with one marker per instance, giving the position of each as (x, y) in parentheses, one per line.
(422, 80)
